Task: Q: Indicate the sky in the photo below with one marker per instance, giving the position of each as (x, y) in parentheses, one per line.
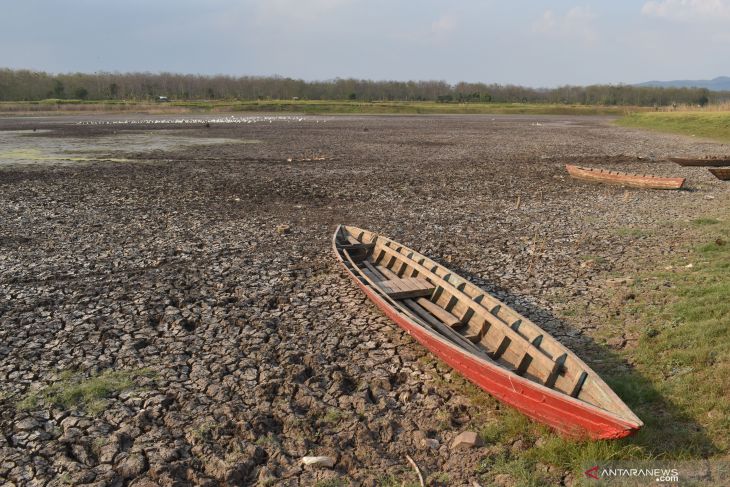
(527, 42)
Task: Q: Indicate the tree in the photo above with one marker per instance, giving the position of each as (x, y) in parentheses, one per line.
(58, 89)
(17, 85)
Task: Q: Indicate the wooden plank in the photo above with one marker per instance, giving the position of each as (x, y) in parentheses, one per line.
(440, 313)
(542, 363)
(375, 271)
(434, 324)
(505, 314)
(524, 364)
(387, 272)
(407, 282)
(488, 302)
(412, 306)
(446, 331)
(369, 274)
(548, 372)
(357, 246)
(417, 283)
(568, 369)
(402, 288)
(474, 336)
(550, 381)
(579, 384)
(503, 346)
(398, 289)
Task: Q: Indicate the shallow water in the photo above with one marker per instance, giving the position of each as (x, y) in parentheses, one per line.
(28, 147)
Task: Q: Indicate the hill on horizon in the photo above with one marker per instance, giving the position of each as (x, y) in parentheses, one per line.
(721, 83)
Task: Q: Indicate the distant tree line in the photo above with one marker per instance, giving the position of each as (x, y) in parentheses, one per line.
(25, 85)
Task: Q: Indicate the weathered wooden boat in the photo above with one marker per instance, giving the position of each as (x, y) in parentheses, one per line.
(623, 179)
(489, 343)
(722, 173)
(701, 162)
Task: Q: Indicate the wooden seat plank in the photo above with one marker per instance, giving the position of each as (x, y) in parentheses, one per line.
(440, 313)
(407, 288)
(543, 364)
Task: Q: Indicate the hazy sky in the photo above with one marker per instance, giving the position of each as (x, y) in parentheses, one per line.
(529, 42)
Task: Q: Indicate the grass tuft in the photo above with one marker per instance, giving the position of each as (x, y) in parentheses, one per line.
(88, 393)
(333, 416)
(632, 232)
(705, 221)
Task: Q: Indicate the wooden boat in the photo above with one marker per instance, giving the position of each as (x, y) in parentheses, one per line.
(493, 346)
(624, 179)
(700, 162)
(722, 173)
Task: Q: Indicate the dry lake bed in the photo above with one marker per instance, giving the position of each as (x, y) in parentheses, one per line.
(171, 312)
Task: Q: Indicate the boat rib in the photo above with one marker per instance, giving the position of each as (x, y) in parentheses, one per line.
(623, 179)
(492, 345)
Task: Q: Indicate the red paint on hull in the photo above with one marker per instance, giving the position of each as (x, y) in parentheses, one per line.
(567, 415)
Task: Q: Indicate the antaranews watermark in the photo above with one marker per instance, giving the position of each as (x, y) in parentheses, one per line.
(629, 473)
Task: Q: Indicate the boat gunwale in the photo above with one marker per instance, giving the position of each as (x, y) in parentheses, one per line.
(629, 421)
(598, 174)
(699, 162)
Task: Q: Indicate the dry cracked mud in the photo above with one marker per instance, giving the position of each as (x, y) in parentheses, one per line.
(202, 276)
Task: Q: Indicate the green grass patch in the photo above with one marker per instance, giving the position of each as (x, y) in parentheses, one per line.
(270, 440)
(632, 232)
(705, 221)
(597, 259)
(421, 107)
(315, 107)
(333, 416)
(678, 382)
(87, 393)
(713, 125)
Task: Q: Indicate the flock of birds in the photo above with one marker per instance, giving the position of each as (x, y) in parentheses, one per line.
(205, 121)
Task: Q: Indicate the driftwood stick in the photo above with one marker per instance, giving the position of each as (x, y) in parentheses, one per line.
(418, 470)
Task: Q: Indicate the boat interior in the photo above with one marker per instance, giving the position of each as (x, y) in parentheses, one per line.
(470, 318)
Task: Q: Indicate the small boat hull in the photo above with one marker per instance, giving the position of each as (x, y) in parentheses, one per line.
(623, 179)
(722, 174)
(697, 162)
(568, 415)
